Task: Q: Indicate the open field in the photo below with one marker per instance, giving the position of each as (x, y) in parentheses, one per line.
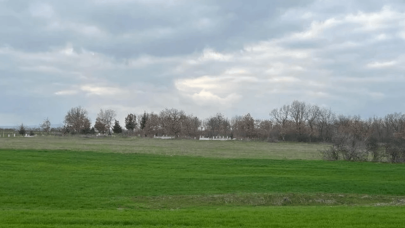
(214, 149)
(53, 188)
(69, 180)
(310, 217)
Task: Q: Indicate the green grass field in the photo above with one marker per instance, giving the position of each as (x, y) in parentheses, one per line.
(310, 217)
(51, 183)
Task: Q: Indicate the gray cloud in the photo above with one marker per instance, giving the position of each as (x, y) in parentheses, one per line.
(201, 56)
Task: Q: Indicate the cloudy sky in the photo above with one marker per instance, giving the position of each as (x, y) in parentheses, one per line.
(201, 56)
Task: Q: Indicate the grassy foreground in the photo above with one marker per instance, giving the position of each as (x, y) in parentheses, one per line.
(219, 217)
(72, 180)
(54, 188)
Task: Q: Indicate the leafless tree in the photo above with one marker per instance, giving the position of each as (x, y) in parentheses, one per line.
(217, 125)
(326, 124)
(236, 126)
(248, 126)
(281, 118)
(77, 120)
(106, 117)
(190, 125)
(298, 112)
(171, 121)
(100, 126)
(378, 128)
(153, 125)
(395, 150)
(46, 126)
(265, 128)
(312, 116)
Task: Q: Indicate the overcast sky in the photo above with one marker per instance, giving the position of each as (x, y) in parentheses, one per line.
(201, 56)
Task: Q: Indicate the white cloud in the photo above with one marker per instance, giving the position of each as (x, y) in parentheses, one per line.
(66, 92)
(102, 91)
(381, 64)
(211, 55)
(377, 20)
(316, 29)
(208, 98)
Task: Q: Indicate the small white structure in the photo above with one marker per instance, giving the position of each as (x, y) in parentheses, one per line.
(203, 138)
(163, 137)
(217, 138)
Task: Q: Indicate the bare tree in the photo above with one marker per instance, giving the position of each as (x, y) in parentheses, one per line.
(171, 121)
(248, 126)
(190, 126)
(217, 125)
(312, 117)
(236, 126)
(100, 126)
(298, 112)
(77, 120)
(395, 150)
(265, 129)
(153, 125)
(325, 124)
(46, 126)
(378, 128)
(280, 116)
(106, 117)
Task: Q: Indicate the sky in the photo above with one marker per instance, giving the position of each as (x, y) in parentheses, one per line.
(203, 56)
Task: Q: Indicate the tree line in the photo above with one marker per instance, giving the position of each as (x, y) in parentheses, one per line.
(351, 137)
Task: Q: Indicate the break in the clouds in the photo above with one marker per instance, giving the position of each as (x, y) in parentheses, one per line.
(203, 57)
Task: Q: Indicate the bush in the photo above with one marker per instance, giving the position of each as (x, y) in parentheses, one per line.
(330, 154)
(373, 149)
(272, 140)
(395, 150)
(346, 147)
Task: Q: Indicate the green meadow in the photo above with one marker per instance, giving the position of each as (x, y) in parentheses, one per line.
(81, 182)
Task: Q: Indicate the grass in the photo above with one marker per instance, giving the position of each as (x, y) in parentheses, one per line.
(213, 149)
(219, 217)
(72, 180)
(122, 182)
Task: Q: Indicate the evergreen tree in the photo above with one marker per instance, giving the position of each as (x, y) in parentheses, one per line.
(143, 120)
(22, 130)
(117, 128)
(130, 122)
